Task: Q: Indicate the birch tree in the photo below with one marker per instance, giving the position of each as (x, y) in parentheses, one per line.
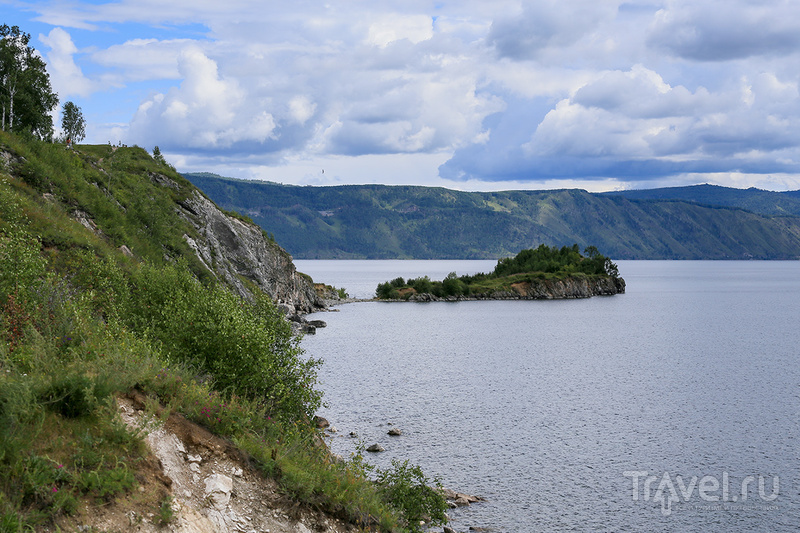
(72, 122)
(26, 98)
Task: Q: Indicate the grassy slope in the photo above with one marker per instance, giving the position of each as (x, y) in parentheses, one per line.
(82, 322)
(378, 222)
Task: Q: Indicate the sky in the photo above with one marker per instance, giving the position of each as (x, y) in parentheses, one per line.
(470, 95)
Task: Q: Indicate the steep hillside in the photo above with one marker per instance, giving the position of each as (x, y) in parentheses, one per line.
(145, 209)
(381, 222)
(120, 282)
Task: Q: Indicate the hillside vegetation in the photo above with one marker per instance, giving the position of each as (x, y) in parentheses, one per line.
(387, 222)
(100, 294)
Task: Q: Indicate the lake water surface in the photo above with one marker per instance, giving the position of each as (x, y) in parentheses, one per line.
(673, 407)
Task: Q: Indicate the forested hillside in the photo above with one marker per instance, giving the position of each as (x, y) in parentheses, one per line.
(752, 199)
(380, 222)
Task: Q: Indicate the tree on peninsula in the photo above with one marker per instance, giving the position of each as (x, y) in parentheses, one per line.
(72, 122)
(26, 98)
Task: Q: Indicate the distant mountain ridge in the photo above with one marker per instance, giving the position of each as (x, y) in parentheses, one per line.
(414, 222)
(752, 199)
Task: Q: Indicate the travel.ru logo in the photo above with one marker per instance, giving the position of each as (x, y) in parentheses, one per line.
(710, 489)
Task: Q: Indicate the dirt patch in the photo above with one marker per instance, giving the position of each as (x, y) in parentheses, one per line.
(522, 287)
(210, 485)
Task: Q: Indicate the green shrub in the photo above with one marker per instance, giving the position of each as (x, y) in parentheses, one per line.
(248, 347)
(416, 497)
(386, 291)
(421, 285)
(72, 396)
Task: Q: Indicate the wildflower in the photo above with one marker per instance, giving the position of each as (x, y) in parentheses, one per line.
(55, 489)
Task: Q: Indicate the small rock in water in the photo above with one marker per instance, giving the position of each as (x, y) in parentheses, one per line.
(353, 435)
(394, 432)
(320, 422)
(376, 448)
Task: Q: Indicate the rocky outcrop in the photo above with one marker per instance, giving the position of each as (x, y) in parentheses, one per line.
(210, 486)
(574, 287)
(542, 289)
(238, 252)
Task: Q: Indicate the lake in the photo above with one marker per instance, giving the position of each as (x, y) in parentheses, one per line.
(672, 407)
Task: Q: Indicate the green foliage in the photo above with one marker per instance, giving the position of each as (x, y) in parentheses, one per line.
(541, 262)
(248, 347)
(72, 122)
(554, 260)
(83, 324)
(26, 98)
(71, 396)
(165, 513)
(417, 498)
(21, 263)
(386, 291)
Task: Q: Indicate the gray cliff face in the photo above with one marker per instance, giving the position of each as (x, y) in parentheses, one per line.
(235, 251)
(544, 289)
(570, 288)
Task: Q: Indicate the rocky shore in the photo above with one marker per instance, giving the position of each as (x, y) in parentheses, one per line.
(544, 289)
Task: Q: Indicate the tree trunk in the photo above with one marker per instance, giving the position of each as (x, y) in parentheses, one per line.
(12, 91)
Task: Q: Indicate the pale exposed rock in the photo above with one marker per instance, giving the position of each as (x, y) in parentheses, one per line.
(214, 502)
(219, 487)
(235, 250)
(375, 448)
(86, 221)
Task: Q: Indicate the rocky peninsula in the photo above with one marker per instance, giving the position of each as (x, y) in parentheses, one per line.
(544, 273)
(558, 289)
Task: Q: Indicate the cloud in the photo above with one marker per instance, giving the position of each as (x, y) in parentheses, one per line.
(66, 76)
(143, 59)
(547, 24)
(632, 124)
(394, 27)
(541, 91)
(207, 111)
(723, 30)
